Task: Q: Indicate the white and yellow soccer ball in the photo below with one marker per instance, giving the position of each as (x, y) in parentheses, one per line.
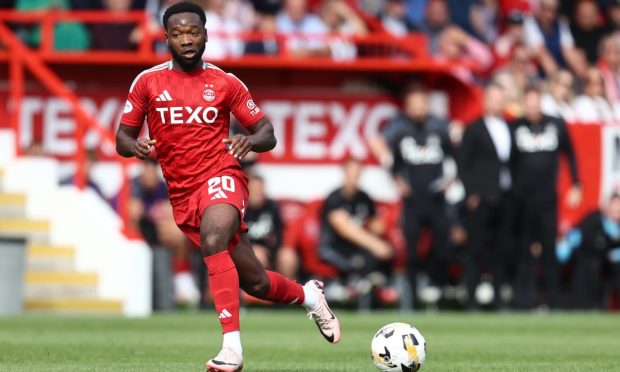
(398, 347)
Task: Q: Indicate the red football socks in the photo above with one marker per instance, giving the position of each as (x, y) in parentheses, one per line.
(283, 290)
(224, 285)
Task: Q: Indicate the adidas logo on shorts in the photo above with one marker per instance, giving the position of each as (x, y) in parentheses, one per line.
(219, 195)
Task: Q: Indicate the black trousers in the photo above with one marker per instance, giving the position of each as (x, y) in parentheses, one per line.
(350, 260)
(429, 212)
(538, 224)
(490, 225)
(594, 278)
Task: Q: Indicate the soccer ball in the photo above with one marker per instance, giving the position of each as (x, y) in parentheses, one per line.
(398, 347)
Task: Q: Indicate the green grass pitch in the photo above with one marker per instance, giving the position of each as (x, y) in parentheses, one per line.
(287, 341)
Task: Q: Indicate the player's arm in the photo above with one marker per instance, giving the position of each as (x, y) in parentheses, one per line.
(129, 145)
(261, 139)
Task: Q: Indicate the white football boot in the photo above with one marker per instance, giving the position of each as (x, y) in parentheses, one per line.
(226, 361)
(328, 324)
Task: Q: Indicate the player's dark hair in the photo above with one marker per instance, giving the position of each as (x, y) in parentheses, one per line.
(183, 7)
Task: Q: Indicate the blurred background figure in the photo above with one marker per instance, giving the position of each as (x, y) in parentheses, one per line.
(264, 223)
(512, 35)
(265, 26)
(484, 19)
(117, 35)
(394, 18)
(592, 106)
(341, 23)
(613, 16)
(419, 144)
(223, 30)
(519, 72)
(549, 36)
(304, 30)
(594, 245)
(484, 167)
(67, 35)
(588, 29)
(609, 64)
(149, 212)
(436, 20)
(90, 163)
(539, 142)
(473, 56)
(557, 100)
(351, 235)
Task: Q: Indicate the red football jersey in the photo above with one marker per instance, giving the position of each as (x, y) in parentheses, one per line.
(189, 115)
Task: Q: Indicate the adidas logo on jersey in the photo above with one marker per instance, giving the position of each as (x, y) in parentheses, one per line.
(219, 195)
(225, 314)
(164, 97)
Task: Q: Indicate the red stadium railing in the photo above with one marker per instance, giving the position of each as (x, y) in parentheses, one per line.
(21, 58)
(375, 50)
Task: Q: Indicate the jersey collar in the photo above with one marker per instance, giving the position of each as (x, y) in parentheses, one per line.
(204, 65)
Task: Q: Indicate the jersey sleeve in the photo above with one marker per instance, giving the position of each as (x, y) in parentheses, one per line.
(241, 103)
(136, 106)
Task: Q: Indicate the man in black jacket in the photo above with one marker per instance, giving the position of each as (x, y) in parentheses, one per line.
(419, 144)
(538, 142)
(484, 169)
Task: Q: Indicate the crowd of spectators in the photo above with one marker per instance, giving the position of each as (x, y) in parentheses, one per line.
(571, 46)
(562, 57)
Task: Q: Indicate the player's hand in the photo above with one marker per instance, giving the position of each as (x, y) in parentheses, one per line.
(239, 145)
(143, 147)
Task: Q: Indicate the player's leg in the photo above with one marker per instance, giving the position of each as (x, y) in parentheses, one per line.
(218, 225)
(271, 286)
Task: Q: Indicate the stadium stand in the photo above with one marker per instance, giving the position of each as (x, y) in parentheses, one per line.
(326, 102)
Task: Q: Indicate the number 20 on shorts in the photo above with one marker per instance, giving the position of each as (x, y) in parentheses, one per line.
(219, 184)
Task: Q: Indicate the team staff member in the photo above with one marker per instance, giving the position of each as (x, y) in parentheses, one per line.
(484, 158)
(420, 144)
(538, 142)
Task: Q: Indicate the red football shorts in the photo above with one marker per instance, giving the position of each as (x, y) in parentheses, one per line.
(230, 187)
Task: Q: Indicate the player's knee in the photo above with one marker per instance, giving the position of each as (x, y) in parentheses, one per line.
(258, 286)
(214, 242)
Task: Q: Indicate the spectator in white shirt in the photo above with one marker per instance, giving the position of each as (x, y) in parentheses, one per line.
(394, 18)
(592, 107)
(224, 32)
(342, 23)
(557, 100)
(304, 31)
